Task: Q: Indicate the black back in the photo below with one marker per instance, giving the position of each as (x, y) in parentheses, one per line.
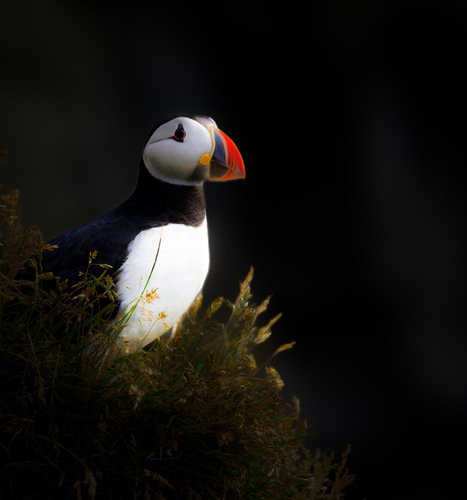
(153, 203)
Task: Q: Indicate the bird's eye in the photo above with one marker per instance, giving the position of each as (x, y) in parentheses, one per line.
(179, 134)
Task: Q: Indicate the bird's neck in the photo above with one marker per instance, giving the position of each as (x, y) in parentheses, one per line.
(176, 204)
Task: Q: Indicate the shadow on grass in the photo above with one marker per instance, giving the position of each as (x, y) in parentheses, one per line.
(191, 416)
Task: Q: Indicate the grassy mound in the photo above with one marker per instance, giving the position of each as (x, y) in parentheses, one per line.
(191, 417)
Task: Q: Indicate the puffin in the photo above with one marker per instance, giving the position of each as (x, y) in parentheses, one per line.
(155, 243)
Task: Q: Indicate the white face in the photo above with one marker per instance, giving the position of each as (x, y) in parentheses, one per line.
(173, 151)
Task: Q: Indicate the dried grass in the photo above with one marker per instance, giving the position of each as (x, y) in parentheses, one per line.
(191, 417)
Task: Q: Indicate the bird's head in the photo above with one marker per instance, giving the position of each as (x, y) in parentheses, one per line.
(189, 150)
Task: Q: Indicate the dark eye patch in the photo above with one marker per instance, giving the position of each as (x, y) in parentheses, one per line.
(179, 134)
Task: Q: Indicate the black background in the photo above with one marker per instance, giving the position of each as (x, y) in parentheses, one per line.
(351, 118)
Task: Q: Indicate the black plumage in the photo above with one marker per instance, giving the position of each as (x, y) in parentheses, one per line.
(153, 203)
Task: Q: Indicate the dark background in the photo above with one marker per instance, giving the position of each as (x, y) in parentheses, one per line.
(351, 118)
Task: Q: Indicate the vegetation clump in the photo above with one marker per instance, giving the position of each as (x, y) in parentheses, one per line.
(191, 416)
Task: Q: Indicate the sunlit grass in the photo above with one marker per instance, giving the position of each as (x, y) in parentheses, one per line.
(191, 416)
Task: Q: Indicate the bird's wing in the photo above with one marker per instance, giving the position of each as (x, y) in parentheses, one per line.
(103, 236)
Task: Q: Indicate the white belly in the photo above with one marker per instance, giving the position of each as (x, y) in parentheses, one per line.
(155, 292)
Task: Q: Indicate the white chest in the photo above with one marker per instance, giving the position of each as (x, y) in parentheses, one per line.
(163, 273)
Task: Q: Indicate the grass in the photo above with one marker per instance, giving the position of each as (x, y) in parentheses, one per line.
(190, 417)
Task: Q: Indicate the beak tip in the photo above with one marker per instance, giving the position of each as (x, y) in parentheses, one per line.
(240, 172)
(232, 159)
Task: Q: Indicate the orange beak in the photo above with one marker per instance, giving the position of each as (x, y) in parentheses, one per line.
(226, 161)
